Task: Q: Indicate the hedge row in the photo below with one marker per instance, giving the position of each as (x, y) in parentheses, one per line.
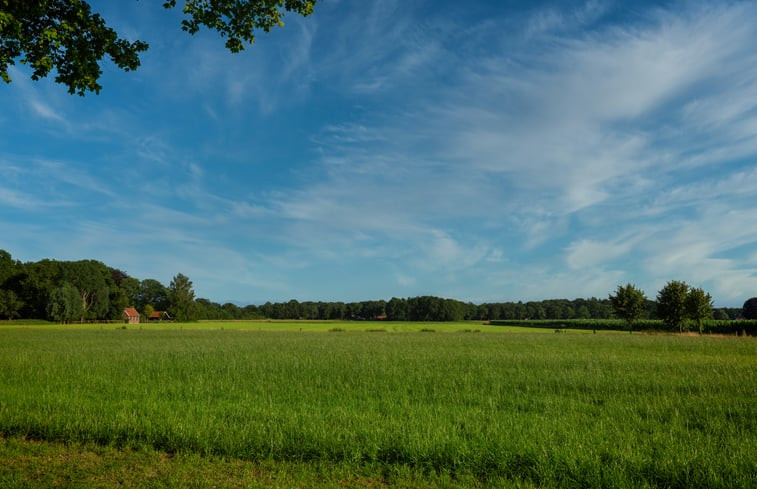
(712, 326)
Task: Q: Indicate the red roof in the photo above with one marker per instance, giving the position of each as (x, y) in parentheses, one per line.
(157, 314)
(131, 312)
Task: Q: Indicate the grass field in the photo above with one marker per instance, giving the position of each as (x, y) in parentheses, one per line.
(283, 407)
(314, 326)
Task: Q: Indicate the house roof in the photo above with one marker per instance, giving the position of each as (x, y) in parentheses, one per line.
(131, 312)
(157, 314)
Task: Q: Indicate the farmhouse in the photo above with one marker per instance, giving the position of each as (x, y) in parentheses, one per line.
(131, 315)
(159, 316)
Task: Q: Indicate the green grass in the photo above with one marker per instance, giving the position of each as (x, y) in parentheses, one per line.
(462, 409)
(304, 326)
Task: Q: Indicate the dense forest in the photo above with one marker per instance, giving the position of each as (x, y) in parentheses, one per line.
(89, 290)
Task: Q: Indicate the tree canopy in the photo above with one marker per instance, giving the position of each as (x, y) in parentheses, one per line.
(671, 304)
(65, 35)
(749, 311)
(89, 290)
(698, 306)
(629, 303)
(181, 299)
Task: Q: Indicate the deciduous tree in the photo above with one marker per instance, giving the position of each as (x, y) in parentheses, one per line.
(671, 304)
(147, 312)
(151, 291)
(65, 35)
(749, 311)
(698, 306)
(629, 304)
(10, 304)
(64, 304)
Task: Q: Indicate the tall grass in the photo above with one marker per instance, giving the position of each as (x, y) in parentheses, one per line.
(709, 326)
(552, 410)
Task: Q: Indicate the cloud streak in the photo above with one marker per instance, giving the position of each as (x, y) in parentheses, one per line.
(478, 152)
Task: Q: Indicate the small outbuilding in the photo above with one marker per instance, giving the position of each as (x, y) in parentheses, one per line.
(131, 315)
(159, 316)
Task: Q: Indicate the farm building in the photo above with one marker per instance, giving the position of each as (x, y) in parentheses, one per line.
(159, 316)
(131, 315)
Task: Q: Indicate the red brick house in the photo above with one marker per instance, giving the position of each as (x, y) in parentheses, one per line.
(131, 315)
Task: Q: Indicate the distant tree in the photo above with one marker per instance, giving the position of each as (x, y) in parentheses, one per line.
(10, 304)
(94, 281)
(118, 275)
(720, 314)
(671, 304)
(629, 304)
(147, 312)
(39, 279)
(150, 291)
(536, 310)
(64, 304)
(749, 311)
(583, 312)
(251, 311)
(67, 36)
(8, 266)
(231, 311)
(181, 299)
(698, 306)
(130, 288)
(338, 311)
(396, 309)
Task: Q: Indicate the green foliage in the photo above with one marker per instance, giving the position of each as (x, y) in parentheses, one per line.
(237, 20)
(94, 281)
(63, 35)
(65, 304)
(181, 304)
(152, 292)
(129, 287)
(8, 267)
(147, 312)
(546, 410)
(728, 326)
(698, 306)
(10, 304)
(629, 304)
(66, 36)
(671, 304)
(36, 283)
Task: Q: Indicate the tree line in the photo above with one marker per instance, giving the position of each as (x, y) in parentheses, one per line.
(85, 290)
(89, 290)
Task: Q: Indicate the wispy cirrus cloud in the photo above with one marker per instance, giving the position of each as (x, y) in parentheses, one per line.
(599, 121)
(480, 151)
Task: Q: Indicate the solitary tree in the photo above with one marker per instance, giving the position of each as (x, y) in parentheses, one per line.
(629, 304)
(749, 311)
(67, 36)
(698, 306)
(671, 304)
(181, 299)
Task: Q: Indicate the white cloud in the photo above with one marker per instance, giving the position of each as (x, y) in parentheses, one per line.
(593, 152)
(584, 254)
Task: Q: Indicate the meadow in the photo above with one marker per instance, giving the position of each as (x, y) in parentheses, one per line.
(345, 407)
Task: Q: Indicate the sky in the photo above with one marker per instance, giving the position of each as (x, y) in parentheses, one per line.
(479, 150)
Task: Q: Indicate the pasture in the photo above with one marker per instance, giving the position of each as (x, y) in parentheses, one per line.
(315, 404)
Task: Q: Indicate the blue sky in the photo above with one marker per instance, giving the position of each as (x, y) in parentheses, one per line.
(486, 151)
